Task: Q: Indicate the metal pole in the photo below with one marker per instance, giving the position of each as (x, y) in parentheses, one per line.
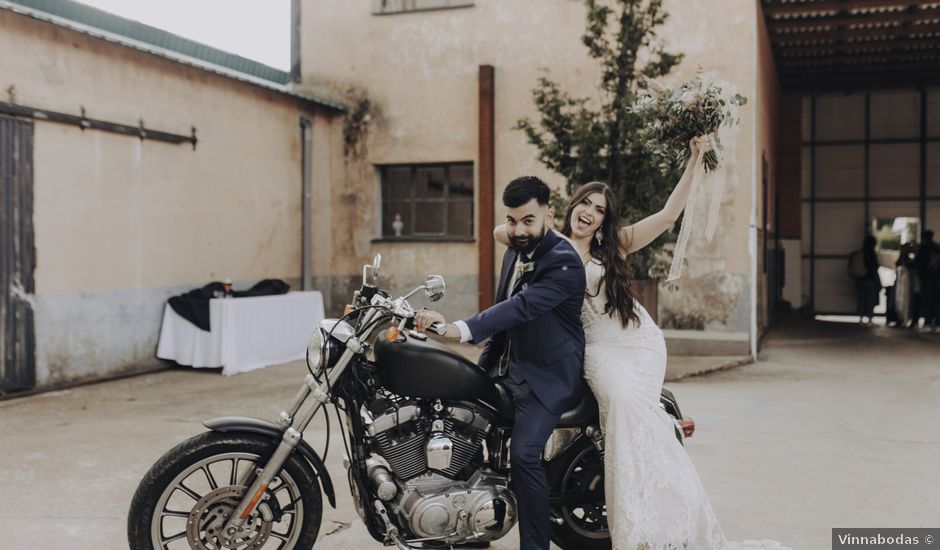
(306, 133)
(486, 177)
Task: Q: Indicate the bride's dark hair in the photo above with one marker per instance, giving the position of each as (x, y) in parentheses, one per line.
(618, 276)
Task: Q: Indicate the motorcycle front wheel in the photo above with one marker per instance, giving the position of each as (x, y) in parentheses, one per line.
(189, 494)
(577, 477)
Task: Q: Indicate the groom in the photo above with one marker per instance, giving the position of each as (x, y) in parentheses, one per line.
(536, 342)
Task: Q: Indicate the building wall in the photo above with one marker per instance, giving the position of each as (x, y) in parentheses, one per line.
(713, 299)
(766, 106)
(419, 72)
(121, 224)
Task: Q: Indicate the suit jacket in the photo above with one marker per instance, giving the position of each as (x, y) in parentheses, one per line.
(542, 321)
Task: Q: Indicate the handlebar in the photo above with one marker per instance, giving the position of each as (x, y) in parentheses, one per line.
(401, 309)
(439, 328)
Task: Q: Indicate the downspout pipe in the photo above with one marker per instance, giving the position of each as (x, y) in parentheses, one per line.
(306, 254)
(752, 221)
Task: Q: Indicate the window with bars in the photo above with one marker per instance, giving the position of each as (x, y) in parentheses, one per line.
(427, 201)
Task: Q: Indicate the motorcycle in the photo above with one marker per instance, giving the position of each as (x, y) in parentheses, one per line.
(426, 454)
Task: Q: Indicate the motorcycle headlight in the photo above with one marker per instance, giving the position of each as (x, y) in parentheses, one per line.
(316, 349)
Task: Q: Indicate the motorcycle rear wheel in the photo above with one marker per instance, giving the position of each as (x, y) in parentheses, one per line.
(187, 495)
(579, 472)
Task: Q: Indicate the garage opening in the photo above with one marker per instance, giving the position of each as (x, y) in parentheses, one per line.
(866, 75)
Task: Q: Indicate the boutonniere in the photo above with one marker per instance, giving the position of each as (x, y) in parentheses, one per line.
(524, 267)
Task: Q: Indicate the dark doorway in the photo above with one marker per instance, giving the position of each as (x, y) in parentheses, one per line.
(17, 256)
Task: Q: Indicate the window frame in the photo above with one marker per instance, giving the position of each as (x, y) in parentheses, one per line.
(444, 202)
(407, 6)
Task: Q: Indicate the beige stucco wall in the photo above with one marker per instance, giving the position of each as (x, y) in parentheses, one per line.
(420, 72)
(145, 210)
(121, 223)
(714, 293)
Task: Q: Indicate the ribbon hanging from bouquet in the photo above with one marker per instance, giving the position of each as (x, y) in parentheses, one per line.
(704, 183)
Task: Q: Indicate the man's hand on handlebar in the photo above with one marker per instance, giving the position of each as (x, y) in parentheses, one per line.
(431, 320)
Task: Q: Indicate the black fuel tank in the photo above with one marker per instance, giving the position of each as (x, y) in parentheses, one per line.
(427, 369)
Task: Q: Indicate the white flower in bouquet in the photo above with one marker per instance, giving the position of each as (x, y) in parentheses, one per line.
(689, 99)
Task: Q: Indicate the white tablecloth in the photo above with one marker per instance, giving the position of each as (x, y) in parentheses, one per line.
(247, 333)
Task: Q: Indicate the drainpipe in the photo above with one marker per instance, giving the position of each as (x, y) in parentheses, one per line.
(306, 135)
(752, 222)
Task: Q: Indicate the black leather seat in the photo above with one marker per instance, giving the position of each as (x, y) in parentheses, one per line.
(582, 413)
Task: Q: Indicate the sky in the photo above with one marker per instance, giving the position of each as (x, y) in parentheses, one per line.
(256, 29)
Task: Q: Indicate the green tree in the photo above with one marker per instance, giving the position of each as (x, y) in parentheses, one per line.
(586, 140)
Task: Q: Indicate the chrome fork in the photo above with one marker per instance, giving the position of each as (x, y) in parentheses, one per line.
(305, 408)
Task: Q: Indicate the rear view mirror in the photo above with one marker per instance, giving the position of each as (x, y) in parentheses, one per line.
(370, 273)
(434, 287)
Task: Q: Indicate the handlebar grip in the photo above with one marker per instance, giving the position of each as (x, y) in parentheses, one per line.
(438, 328)
(410, 323)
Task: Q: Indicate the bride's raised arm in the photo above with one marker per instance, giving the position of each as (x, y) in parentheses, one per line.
(501, 235)
(635, 236)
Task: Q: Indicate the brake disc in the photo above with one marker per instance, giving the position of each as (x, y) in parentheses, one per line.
(209, 515)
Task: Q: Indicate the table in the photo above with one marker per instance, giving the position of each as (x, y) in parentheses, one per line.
(247, 333)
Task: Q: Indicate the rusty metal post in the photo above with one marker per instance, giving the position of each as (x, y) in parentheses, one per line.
(486, 175)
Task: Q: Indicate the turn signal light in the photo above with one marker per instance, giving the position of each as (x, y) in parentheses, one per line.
(392, 334)
(688, 427)
(254, 501)
(348, 309)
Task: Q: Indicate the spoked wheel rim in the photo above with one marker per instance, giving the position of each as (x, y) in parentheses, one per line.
(584, 480)
(198, 501)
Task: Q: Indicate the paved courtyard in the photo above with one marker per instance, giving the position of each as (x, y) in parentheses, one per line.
(835, 426)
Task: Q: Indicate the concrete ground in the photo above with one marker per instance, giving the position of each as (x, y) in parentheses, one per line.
(834, 426)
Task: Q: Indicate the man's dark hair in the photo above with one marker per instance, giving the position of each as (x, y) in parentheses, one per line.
(522, 190)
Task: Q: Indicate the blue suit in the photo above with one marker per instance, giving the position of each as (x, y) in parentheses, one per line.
(539, 323)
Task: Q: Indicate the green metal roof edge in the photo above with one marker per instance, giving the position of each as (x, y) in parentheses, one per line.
(101, 24)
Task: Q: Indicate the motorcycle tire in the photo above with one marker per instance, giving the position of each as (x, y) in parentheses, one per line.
(580, 467)
(197, 453)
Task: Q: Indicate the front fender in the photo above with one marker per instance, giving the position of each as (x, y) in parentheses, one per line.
(264, 427)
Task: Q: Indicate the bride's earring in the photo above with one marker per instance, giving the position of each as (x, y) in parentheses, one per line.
(599, 237)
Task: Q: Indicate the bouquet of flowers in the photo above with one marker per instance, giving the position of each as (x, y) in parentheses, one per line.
(675, 116)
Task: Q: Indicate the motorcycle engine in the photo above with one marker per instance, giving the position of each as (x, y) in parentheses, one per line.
(435, 452)
(416, 437)
(482, 508)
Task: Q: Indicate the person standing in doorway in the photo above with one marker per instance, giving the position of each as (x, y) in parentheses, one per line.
(928, 267)
(863, 267)
(906, 285)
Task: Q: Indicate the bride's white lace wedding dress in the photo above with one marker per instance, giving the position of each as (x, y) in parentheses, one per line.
(655, 500)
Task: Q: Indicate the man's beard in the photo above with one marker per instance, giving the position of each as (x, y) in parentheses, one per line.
(527, 245)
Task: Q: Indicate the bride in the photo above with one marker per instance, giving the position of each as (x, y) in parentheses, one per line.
(655, 500)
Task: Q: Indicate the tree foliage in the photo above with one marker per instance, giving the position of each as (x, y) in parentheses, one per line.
(597, 140)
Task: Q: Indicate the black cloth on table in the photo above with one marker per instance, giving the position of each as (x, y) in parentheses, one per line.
(194, 305)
